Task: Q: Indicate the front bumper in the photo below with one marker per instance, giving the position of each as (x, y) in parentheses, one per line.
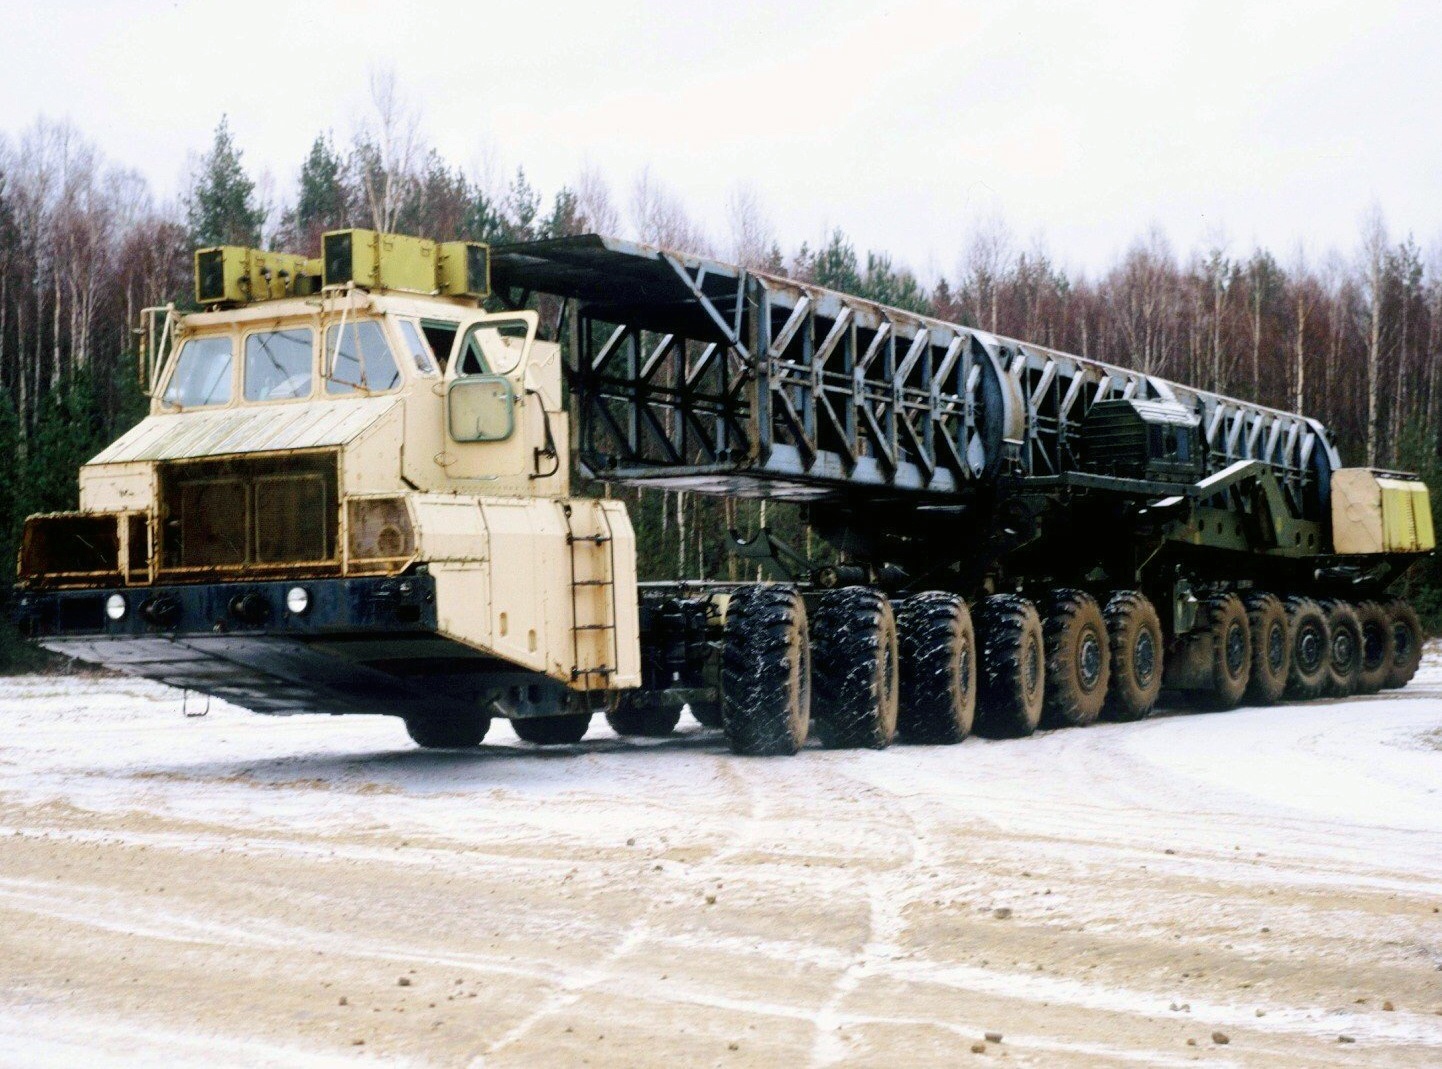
(361, 646)
(405, 604)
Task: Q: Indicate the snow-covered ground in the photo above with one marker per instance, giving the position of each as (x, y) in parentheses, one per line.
(241, 890)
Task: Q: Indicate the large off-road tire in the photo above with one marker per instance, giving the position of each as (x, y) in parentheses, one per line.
(1378, 644)
(857, 669)
(1078, 664)
(552, 730)
(1012, 680)
(766, 671)
(630, 718)
(448, 732)
(1134, 640)
(1344, 647)
(1271, 648)
(938, 669)
(1406, 643)
(1230, 635)
(1307, 625)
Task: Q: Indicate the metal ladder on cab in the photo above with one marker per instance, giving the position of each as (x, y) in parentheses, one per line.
(598, 580)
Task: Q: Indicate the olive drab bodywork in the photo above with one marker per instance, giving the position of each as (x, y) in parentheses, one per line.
(353, 494)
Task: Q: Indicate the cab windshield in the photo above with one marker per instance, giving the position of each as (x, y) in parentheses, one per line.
(202, 373)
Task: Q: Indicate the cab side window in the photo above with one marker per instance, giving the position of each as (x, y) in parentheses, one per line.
(441, 336)
(417, 346)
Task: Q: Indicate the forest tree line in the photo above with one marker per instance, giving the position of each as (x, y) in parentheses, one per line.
(1351, 337)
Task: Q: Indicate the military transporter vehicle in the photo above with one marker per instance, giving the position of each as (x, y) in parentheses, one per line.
(352, 494)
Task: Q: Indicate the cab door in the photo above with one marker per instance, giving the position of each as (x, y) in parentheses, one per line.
(483, 440)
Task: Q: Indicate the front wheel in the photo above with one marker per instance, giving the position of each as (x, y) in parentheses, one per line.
(552, 730)
(642, 721)
(448, 732)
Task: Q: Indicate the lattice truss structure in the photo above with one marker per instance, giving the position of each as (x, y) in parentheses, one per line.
(695, 374)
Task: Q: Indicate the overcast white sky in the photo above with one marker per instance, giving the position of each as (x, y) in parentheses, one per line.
(902, 122)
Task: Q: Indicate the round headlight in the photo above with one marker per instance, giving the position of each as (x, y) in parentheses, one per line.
(297, 599)
(115, 606)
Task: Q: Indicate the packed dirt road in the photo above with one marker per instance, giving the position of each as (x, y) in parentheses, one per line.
(1254, 888)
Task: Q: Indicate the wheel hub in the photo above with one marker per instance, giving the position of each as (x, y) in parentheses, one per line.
(1309, 649)
(1344, 650)
(1277, 647)
(1089, 664)
(1144, 658)
(1033, 665)
(1401, 642)
(1236, 649)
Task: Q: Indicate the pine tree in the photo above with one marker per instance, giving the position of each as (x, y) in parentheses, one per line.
(221, 208)
(321, 202)
(523, 205)
(565, 219)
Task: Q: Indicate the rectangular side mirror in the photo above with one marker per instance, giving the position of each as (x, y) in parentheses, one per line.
(481, 408)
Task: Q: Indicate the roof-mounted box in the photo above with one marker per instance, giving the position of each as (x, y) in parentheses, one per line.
(378, 261)
(233, 274)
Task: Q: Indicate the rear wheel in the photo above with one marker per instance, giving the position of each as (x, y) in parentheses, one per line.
(448, 732)
(1307, 674)
(1406, 643)
(1013, 667)
(938, 669)
(1077, 669)
(1378, 643)
(857, 669)
(643, 721)
(1231, 639)
(766, 671)
(1344, 648)
(1134, 638)
(1271, 648)
(552, 730)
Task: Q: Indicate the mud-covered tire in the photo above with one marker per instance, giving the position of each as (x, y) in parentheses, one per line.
(1078, 664)
(448, 732)
(938, 669)
(766, 671)
(1344, 647)
(857, 669)
(1230, 635)
(1378, 642)
(1134, 641)
(1406, 643)
(552, 730)
(1012, 681)
(1271, 648)
(1307, 670)
(646, 722)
